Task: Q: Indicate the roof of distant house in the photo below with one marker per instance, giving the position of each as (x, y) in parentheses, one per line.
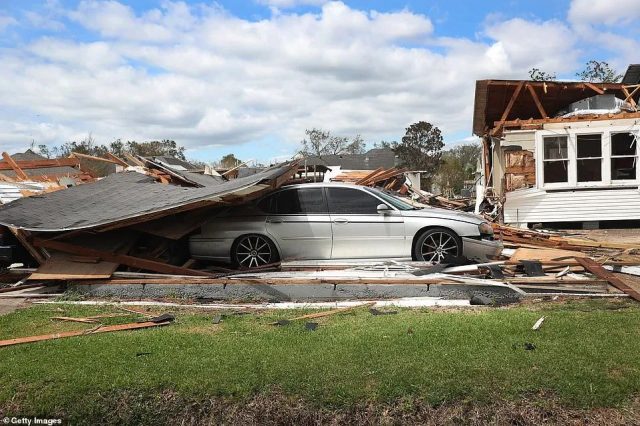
(370, 160)
(29, 155)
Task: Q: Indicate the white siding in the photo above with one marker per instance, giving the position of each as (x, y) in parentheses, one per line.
(536, 205)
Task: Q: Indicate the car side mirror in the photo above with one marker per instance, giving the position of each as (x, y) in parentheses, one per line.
(383, 209)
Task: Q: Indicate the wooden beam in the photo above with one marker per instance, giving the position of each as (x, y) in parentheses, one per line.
(123, 259)
(629, 97)
(534, 95)
(92, 157)
(105, 329)
(36, 164)
(134, 160)
(505, 114)
(537, 122)
(370, 175)
(597, 270)
(595, 88)
(23, 237)
(12, 164)
(512, 101)
(117, 160)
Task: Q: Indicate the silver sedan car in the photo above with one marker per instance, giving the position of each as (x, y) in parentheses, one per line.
(339, 221)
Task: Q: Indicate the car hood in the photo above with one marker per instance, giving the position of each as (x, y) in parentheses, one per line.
(444, 214)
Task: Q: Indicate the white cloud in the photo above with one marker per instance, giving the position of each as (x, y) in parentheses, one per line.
(6, 21)
(206, 78)
(605, 12)
(282, 4)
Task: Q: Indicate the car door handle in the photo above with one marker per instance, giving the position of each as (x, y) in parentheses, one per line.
(340, 220)
(274, 220)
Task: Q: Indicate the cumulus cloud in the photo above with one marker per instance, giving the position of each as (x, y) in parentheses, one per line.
(201, 76)
(604, 12)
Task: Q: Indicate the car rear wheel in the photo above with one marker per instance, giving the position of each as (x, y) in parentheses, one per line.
(435, 244)
(253, 251)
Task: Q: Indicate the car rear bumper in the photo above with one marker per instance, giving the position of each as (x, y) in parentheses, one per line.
(481, 250)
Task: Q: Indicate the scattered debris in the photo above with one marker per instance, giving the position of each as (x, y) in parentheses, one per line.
(538, 323)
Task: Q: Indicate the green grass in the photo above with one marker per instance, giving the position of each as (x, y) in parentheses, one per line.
(587, 354)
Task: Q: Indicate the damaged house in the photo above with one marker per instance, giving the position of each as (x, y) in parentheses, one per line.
(560, 152)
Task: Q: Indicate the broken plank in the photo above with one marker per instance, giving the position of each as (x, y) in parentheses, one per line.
(331, 312)
(62, 266)
(134, 262)
(106, 329)
(13, 165)
(71, 319)
(23, 237)
(599, 271)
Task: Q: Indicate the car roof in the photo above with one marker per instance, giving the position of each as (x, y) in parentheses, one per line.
(324, 185)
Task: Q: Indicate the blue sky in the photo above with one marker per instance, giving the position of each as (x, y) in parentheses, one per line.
(249, 77)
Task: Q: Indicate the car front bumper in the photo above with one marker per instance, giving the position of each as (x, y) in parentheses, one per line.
(481, 250)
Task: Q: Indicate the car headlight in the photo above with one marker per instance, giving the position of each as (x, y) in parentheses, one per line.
(486, 230)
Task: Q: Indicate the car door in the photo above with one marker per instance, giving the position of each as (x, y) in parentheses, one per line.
(299, 222)
(359, 231)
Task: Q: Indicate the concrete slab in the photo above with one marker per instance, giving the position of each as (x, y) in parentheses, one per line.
(280, 293)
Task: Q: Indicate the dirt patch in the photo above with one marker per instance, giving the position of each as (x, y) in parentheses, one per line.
(9, 305)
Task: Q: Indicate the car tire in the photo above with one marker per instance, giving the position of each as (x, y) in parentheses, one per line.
(434, 244)
(253, 251)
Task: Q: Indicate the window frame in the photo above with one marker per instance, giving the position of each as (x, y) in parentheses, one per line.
(544, 160)
(606, 130)
(601, 158)
(611, 157)
(273, 197)
(380, 201)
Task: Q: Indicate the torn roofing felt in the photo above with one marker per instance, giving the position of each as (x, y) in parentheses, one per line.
(120, 197)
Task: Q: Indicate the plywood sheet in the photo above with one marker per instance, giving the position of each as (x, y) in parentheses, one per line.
(66, 267)
(543, 254)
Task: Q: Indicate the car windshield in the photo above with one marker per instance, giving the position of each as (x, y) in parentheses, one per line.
(394, 201)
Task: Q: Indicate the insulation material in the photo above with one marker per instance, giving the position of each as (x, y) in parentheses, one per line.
(520, 169)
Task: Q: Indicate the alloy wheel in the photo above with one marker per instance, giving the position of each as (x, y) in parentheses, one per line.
(438, 245)
(253, 251)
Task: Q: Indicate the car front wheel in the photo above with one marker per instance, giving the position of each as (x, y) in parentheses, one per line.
(434, 244)
(253, 251)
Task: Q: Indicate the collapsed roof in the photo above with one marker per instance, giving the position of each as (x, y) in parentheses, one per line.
(501, 100)
(125, 198)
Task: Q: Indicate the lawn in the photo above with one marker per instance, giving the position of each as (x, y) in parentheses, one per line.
(585, 356)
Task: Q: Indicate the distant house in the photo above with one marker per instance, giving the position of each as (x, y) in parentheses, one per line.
(370, 160)
(558, 152)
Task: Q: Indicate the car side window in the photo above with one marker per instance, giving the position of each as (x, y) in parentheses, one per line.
(299, 201)
(267, 204)
(351, 201)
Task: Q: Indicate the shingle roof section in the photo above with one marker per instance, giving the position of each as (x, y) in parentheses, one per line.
(113, 199)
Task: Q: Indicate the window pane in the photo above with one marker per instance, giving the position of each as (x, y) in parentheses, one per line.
(623, 168)
(267, 204)
(590, 170)
(589, 146)
(623, 144)
(555, 171)
(352, 201)
(555, 148)
(300, 201)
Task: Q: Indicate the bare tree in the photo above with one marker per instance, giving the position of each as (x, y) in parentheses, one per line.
(319, 142)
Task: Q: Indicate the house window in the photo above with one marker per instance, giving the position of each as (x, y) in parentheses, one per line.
(589, 158)
(556, 159)
(623, 156)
